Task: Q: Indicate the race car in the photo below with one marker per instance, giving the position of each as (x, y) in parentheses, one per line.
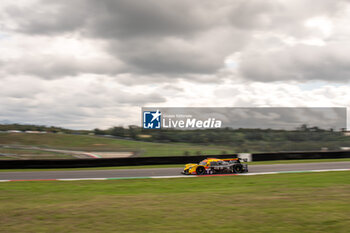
(215, 166)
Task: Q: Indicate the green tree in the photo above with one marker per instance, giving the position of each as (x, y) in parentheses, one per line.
(118, 131)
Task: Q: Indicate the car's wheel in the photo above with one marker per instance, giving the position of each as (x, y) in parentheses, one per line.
(200, 170)
(238, 168)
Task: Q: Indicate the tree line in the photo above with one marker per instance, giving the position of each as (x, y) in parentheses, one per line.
(222, 136)
(243, 140)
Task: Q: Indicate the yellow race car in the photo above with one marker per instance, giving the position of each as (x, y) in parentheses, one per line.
(215, 166)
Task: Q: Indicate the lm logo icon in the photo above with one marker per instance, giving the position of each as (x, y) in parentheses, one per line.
(152, 119)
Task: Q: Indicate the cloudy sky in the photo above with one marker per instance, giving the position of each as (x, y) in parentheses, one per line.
(84, 63)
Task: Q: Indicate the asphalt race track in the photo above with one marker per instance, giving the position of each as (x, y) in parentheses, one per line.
(160, 171)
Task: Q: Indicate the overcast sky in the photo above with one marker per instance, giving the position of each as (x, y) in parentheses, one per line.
(84, 64)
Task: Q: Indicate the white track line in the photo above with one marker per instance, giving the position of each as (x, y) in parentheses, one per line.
(162, 177)
(286, 172)
(187, 176)
(75, 179)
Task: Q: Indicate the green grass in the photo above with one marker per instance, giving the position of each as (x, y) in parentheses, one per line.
(94, 143)
(17, 153)
(314, 202)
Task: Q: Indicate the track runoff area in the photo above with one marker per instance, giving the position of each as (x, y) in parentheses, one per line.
(162, 173)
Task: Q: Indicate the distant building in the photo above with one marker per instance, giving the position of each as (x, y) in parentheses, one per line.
(346, 133)
(14, 131)
(144, 136)
(31, 131)
(34, 131)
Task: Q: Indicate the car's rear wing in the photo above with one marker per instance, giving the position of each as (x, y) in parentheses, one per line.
(232, 159)
(235, 159)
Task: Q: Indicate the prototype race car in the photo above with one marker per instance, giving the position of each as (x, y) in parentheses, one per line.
(215, 166)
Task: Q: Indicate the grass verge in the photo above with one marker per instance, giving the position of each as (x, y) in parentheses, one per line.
(313, 202)
(94, 143)
(18, 153)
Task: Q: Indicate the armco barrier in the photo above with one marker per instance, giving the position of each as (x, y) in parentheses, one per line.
(300, 155)
(75, 163)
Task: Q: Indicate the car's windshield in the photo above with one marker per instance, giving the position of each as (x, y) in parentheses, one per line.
(203, 163)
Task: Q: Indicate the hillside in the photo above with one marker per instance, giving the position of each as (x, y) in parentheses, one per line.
(96, 143)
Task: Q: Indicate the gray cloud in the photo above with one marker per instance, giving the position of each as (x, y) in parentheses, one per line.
(285, 16)
(151, 37)
(48, 17)
(71, 103)
(140, 99)
(169, 57)
(179, 38)
(115, 19)
(301, 62)
(98, 61)
(58, 66)
(149, 18)
(125, 19)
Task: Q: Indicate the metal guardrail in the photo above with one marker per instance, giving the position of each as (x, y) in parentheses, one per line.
(300, 155)
(133, 161)
(105, 162)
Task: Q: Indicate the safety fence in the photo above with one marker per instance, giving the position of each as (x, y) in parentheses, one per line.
(133, 161)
